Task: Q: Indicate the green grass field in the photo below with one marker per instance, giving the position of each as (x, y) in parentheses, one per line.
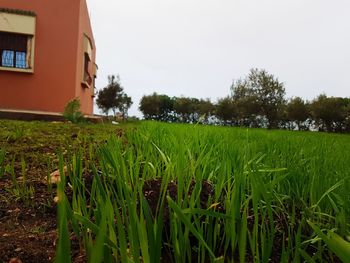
(158, 192)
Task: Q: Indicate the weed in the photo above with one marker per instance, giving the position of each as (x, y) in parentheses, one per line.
(21, 190)
(2, 162)
(17, 134)
(72, 112)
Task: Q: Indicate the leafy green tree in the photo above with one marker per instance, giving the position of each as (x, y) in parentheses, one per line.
(330, 113)
(225, 110)
(347, 116)
(246, 103)
(167, 108)
(107, 98)
(184, 107)
(297, 110)
(157, 107)
(270, 93)
(112, 97)
(205, 109)
(260, 93)
(124, 105)
(150, 107)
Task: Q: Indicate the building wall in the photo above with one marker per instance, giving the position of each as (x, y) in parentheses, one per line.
(85, 94)
(57, 59)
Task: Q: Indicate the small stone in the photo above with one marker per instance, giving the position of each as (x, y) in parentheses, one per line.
(18, 249)
(55, 176)
(56, 199)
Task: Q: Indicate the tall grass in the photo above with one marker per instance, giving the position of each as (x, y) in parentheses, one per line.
(275, 193)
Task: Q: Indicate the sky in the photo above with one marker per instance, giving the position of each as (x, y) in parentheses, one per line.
(196, 48)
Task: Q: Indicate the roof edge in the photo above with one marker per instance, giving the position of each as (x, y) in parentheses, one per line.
(17, 11)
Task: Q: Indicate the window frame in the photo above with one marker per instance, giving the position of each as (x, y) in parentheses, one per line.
(20, 19)
(87, 62)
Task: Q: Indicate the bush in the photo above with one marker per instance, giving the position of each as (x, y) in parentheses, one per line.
(72, 112)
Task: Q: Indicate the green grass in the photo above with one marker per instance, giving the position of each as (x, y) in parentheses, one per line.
(280, 196)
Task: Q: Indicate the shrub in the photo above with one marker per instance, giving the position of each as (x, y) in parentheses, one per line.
(72, 112)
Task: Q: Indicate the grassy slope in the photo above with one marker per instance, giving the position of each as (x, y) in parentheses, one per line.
(267, 184)
(27, 211)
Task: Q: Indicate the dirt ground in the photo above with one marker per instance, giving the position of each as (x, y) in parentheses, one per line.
(28, 230)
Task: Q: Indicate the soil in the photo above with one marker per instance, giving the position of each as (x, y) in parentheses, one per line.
(29, 232)
(28, 228)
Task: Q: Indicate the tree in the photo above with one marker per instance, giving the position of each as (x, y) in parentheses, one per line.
(157, 107)
(124, 105)
(246, 103)
(347, 116)
(329, 112)
(112, 97)
(166, 108)
(184, 107)
(297, 111)
(263, 93)
(225, 110)
(205, 109)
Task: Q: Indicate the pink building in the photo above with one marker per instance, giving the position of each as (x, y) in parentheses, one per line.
(47, 55)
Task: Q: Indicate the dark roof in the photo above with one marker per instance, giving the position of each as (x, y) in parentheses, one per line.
(17, 11)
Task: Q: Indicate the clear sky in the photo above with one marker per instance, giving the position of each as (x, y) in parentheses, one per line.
(197, 47)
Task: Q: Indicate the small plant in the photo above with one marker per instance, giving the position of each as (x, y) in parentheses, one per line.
(2, 162)
(21, 190)
(16, 135)
(72, 112)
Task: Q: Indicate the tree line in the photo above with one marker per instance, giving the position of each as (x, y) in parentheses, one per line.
(258, 100)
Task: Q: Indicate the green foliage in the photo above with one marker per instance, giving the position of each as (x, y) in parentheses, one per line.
(297, 110)
(21, 189)
(245, 101)
(258, 100)
(337, 244)
(330, 113)
(205, 108)
(63, 254)
(266, 186)
(17, 134)
(72, 112)
(157, 107)
(2, 162)
(183, 109)
(112, 97)
(226, 110)
(264, 92)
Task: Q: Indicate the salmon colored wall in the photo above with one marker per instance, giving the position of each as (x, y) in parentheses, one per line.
(57, 59)
(85, 94)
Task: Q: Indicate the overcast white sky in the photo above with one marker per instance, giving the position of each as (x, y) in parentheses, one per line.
(197, 47)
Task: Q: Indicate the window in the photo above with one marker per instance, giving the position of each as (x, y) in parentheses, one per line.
(17, 36)
(95, 75)
(88, 77)
(14, 50)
